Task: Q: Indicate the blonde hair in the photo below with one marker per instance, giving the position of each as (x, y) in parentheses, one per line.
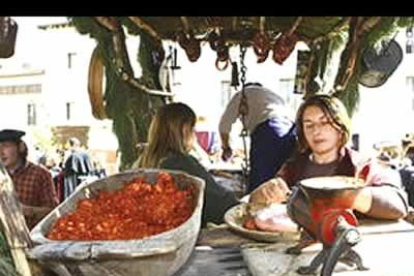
(166, 134)
(334, 109)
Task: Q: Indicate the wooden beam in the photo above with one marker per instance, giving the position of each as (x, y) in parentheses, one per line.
(140, 86)
(349, 56)
(335, 31)
(186, 25)
(108, 22)
(234, 24)
(295, 25)
(145, 26)
(14, 224)
(369, 24)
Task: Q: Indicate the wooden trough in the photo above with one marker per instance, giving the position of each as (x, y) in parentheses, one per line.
(161, 255)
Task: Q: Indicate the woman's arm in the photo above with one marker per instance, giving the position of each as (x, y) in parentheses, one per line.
(383, 197)
(383, 202)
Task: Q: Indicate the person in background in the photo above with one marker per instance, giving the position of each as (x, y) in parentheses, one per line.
(99, 169)
(272, 132)
(33, 183)
(323, 127)
(407, 145)
(171, 137)
(52, 164)
(39, 155)
(77, 166)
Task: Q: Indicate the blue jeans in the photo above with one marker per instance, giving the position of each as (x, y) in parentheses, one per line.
(272, 143)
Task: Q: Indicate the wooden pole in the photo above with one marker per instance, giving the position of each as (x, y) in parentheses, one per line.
(14, 224)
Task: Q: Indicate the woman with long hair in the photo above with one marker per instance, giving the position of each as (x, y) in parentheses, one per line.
(323, 128)
(171, 137)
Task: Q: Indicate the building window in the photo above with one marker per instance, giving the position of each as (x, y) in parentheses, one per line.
(31, 114)
(286, 87)
(71, 59)
(410, 85)
(225, 93)
(20, 89)
(409, 45)
(286, 91)
(69, 108)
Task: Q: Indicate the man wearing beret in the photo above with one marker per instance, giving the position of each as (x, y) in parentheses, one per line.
(33, 184)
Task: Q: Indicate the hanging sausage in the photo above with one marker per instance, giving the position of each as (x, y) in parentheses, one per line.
(283, 46)
(190, 45)
(285, 43)
(261, 42)
(261, 46)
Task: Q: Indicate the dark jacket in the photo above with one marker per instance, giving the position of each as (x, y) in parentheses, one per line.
(349, 159)
(217, 200)
(79, 163)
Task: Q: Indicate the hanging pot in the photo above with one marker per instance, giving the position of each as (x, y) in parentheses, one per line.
(376, 68)
(8, 32)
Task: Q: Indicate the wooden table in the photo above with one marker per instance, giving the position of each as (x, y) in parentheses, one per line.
(218, 253)
(386, 249)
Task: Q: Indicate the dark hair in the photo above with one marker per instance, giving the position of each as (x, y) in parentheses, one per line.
(331, 107)
(23, 149)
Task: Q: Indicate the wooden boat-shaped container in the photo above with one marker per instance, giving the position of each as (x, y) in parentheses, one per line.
(158, 255)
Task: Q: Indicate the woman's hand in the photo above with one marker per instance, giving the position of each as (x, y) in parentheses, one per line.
(363, 200)
(272, 191)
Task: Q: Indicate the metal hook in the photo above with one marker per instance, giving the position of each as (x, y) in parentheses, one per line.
(174, 65)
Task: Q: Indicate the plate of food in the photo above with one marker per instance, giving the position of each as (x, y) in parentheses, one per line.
(270, 224)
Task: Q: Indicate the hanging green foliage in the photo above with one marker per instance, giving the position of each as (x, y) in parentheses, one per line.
(314, 69)
(384, 31)
(350, 97)
(133, 108)
(338, 40)
(88, 25)
(150, 56)
(363, 39)
(405, 22)
(128, 106)
(7, 267)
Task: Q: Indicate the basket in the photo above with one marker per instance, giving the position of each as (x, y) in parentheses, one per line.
(161, 255)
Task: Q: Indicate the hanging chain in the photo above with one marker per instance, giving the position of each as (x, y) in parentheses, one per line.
(243, 107)
(243, 111)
